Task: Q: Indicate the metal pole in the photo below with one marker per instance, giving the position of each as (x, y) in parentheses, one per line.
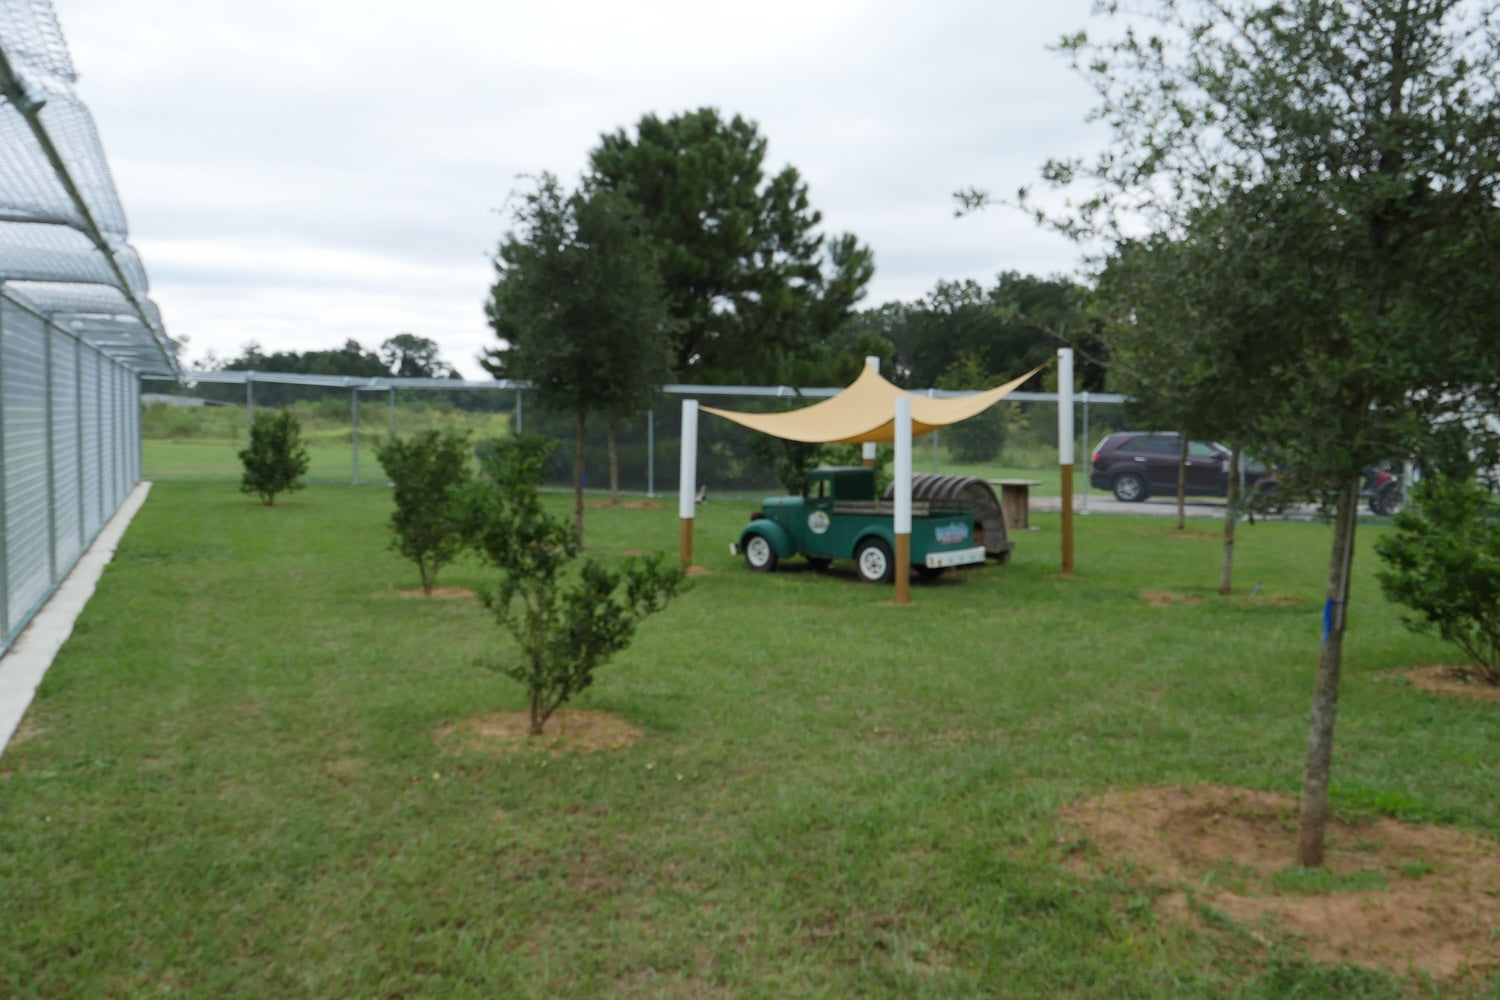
(393, 412)
(1086, 440)
(51, 450)
(867, 452)
(354, 437)
(1065, 451)
(902, 520)
(518, 411)
(651, 454)
(4, 512)
(687, 482)
(83, 517)
(249, 409)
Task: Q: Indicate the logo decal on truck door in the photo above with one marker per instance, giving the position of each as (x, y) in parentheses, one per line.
(817, 522)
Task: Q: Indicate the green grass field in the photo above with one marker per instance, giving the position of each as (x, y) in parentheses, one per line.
(229, 784)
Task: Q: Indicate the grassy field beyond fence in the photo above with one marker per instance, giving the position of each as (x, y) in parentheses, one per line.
(230, 784)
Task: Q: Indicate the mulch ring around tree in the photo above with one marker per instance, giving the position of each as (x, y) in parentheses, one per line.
(569, 730)
(438, 593)
(1455, 679)
(1397, 897)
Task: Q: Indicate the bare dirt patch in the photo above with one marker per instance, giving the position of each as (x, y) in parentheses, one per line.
(570, 730)
(1166, 598)
(439, 593)
(696, 570)
(628, 504)
(1449, 678)
(1419, 897)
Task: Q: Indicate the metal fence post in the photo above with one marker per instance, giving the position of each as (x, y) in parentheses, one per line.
(83, 516)
(354, 408)
(249, 409)
(518, 411)
(393, 411)
(651, 454)
(1085, 395)
(4, 507)
(51, 450)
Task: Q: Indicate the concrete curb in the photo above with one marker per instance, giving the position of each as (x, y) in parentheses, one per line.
(26, 662)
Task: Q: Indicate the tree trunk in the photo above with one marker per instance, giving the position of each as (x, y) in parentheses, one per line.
(1182, 484)
(1314, 815)
(578, 479)
(614, 468)
(1231, 514)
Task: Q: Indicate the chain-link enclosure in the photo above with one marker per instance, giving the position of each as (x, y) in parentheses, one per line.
(76, 327)
(197, 431)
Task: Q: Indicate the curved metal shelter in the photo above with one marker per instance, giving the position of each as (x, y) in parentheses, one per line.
(77, 328)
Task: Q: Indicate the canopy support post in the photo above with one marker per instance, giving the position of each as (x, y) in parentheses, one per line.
(902, 524)
(687, 483)
(1065, 451)
(867, 450)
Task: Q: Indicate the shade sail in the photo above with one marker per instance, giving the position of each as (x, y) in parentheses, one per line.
(866, 412)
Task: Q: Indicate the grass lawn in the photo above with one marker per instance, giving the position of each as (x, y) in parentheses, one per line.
(229, 783)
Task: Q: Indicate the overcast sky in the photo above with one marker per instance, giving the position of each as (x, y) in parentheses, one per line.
(299, 172)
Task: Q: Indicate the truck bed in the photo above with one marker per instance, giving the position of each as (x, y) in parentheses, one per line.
(887, 508)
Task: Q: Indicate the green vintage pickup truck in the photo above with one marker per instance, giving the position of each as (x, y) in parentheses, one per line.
(839, 517)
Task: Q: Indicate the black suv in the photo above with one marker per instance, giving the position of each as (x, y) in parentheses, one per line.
(1136, 464)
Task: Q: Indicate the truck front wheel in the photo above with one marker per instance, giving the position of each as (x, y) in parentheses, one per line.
(873, 561)
(760, 554)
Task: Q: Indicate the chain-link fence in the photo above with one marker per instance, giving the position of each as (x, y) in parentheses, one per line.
(196, 433)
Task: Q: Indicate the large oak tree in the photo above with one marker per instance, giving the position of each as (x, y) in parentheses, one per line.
(752, 281)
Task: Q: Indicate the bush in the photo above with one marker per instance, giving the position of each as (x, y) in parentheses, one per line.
(566, 624)
(1443, 562)
(429, 472)
(276, 460)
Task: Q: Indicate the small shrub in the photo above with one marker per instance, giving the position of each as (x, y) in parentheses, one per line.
(276, 459)
(1443, 562)
(429, 472)
(566, 623)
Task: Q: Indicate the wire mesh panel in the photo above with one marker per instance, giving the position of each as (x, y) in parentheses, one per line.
(93, 492)
(67, 507)
(27, 538)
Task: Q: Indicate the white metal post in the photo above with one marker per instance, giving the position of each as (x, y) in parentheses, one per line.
(1065, 451)
(687, 480)
(902, 524)
(867, 452)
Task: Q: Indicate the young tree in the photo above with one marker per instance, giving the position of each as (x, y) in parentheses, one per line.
(580, 310)
(566, 623)
(747, 274)
(429, 472)
(276, 459)
(1332, 166)
(1443, 562)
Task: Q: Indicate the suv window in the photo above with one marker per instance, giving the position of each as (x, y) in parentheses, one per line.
(1201, 449)
(1156, 445)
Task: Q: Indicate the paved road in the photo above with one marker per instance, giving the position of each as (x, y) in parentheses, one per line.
(1154, 507)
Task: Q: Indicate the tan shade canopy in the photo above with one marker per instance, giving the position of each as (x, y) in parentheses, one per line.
(866, 412)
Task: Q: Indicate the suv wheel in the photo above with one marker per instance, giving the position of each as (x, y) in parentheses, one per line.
(1131, 487)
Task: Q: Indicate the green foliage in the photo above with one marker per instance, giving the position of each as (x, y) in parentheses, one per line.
(567, 623)
(750, 279)
(1443, 562)
(580, 310)
(276, 459)
(983, 434)
(429, 472)
(1009, 328)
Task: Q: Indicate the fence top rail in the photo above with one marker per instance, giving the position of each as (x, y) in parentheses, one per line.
(386, 383)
